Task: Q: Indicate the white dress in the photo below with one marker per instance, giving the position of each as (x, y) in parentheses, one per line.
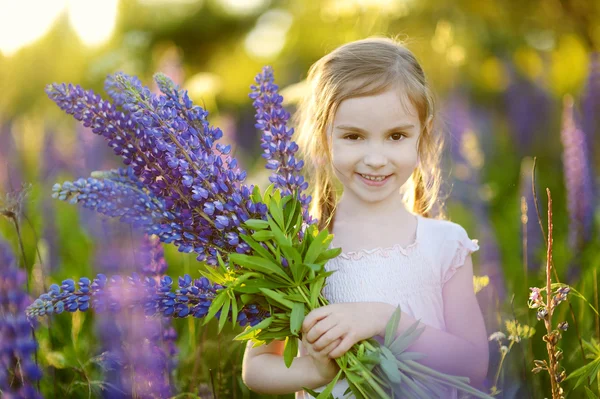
(411, 277)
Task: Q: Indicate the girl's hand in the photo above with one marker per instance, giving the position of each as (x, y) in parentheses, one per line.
(325, 365)
(350, 322)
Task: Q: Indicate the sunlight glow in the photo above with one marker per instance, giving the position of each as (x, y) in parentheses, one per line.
(268, 37)
(93, 20)
(242, 7)
(23, 22)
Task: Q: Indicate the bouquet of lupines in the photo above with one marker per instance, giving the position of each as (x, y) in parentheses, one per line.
(262, 255)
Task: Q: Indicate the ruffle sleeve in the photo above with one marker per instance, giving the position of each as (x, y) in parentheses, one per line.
(458, 247)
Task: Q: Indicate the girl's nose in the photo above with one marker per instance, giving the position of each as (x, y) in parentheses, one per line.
(375, 159)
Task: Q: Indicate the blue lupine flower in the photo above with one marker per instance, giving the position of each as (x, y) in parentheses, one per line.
(276, 140)
(18, 372)
(578, 179)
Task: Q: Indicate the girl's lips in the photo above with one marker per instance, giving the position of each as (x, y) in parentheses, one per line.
(372, 182)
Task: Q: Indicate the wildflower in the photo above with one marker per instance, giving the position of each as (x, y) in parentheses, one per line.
(542, 313)
(18, 372)
(497, 336)
(278, 149)
(563, 325)
(517, 332)
(578, 178)
(535, 298)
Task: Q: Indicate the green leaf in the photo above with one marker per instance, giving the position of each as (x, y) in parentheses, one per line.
(254, 286)
(224, 312)
(589, 370)
(213, 275)
(391, 370)
(290, 351)
(315, 291)
(278, 297)
(316, 247)
(289, 213)
(327, 391)
(268, 191)
(392, 327)
(56, 359)
(256, 224)
(405, 339)
(256, 196)
(263, 235)
(258, 264)
(294, 296)
(277, 212)
(215, 306)
(234, 311)
(328, 254)
(250, 332)
(259, 249)
(280, 238)
(297, 317)
(590, 394)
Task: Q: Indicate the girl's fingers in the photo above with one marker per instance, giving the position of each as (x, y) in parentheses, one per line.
(319, 329)
(342, 348)
(330, 336)
(327, 350)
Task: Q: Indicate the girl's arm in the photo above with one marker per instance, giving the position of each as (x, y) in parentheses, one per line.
(463, 348)
(264, 371)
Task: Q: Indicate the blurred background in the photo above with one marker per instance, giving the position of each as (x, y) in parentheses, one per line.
(514, 80)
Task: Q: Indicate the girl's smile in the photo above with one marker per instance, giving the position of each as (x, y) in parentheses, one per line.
(371, 180)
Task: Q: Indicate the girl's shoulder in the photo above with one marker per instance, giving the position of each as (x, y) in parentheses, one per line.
(440, 231)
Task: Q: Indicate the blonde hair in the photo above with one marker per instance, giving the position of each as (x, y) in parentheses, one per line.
(362, 68)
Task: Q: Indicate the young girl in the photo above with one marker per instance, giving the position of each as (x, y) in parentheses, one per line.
(367, 124)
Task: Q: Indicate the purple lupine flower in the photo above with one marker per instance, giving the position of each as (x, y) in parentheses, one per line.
(152, 257)
(192, 298)
(578, 179)
(18, 372)
(529, 108)
(276, 140)
(168, 144)
(590, 102)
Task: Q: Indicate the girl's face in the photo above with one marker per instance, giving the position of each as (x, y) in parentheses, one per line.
(375, 136)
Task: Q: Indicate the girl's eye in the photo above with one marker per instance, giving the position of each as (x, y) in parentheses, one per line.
(397, 136)
(350, 136)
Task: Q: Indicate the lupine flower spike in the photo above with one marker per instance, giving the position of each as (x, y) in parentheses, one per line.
(18, 371)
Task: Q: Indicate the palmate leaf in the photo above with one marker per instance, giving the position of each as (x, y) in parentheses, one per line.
(215, 306)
